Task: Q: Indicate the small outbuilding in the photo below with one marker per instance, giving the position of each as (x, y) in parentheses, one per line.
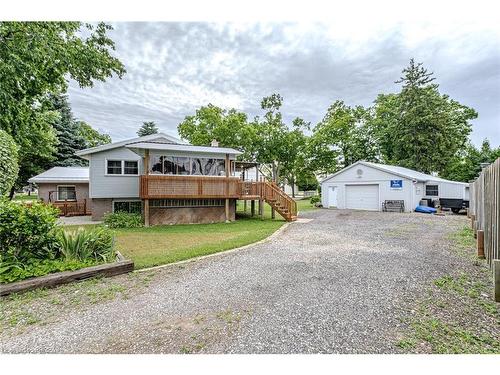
(367, 186)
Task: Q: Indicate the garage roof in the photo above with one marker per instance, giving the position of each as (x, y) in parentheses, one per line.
(62, 174)
(398, 171)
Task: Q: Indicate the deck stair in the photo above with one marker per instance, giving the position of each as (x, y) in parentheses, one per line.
(279, 200)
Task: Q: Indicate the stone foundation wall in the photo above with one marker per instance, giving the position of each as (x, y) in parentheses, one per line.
(191, 215)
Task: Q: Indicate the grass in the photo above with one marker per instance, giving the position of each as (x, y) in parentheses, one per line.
(23, 197)
(171, 243)
(164, 244)
(459, 314)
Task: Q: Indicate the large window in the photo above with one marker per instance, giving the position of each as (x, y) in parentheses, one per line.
(431, 190)
(133, 207)
(175, 165)
(122, 167)
(66, 193)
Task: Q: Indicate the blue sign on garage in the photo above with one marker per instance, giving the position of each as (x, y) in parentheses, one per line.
(396, 184)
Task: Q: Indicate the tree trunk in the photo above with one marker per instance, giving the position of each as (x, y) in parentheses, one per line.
(293, 187)
(11, 194)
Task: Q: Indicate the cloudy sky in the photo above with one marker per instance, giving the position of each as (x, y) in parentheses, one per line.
(174, 68)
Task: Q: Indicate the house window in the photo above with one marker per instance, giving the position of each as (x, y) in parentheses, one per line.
(131, 167)
(132, 207)
(176, 165)
(431, 190)
(114, 167)
(208, 167)
(66, 193)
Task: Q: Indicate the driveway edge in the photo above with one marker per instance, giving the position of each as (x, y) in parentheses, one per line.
(219, 253)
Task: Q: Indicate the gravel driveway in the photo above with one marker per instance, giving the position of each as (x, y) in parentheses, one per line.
(340, 283)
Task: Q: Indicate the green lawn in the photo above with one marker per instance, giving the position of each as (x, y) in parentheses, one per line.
(164, 244)
(22, 197)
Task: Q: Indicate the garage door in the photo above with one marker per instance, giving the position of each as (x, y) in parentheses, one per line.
(362, 197)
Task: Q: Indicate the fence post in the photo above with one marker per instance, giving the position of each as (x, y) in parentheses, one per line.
(480, 244)
(496, 278)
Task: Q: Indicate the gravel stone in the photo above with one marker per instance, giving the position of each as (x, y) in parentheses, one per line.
(342, 282)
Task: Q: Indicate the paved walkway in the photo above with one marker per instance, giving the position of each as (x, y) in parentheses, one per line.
(77, 220)
(340, 283)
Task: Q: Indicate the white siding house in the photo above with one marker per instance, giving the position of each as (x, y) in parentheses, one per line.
(365, 186)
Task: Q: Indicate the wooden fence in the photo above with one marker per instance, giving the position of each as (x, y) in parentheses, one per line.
(484, 211)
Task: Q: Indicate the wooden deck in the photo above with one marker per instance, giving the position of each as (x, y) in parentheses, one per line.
(186, 187)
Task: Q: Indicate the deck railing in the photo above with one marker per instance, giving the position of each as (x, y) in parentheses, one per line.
(184, 187)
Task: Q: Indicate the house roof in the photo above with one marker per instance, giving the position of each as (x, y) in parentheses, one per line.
(182, 147)
(398, 171)
(165, 138)
(62, 174)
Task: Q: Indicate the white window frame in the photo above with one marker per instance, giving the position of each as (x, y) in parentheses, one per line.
(63, 200)
(428, 195)
(122, 174)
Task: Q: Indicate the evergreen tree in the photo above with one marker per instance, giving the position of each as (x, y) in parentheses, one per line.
(147, 128)
(419, 128)
(68, 133)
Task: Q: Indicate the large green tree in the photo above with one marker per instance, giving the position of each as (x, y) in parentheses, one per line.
(341, 138)
(211, 122)
(419, 128)
(36, 59)
(466, 165)
(91, 137)
(147, 128)
(69, 138)
(8, 163)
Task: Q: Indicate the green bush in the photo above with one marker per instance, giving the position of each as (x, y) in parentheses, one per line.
(315, 199)
(27, 232)
(123, 220)
(82, 245)
(10, 272)
(9, 166)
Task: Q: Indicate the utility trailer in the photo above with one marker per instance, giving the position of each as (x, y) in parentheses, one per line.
(454, 204)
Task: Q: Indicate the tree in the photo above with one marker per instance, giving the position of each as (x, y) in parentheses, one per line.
(294, 161)
(36, 58)
(91, 137)
(466, 165)
(211, 122)
(8, 163)
(68, 133)
(147, 128)
(421, 129)
(341, 138)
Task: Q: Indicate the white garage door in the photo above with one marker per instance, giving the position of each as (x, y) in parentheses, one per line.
(362, 197)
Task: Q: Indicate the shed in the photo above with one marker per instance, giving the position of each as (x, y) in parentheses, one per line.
(366, 185)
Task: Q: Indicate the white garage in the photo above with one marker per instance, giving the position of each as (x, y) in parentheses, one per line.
(366, 186)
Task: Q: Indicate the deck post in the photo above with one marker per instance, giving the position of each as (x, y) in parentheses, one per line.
(252, 207)
(228, 173)
(146, 200)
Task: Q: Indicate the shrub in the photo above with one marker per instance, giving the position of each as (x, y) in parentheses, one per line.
(9, 166)
(315, 199)
(10, 272)
(123, 220)
(27, 232)
(83, 245)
